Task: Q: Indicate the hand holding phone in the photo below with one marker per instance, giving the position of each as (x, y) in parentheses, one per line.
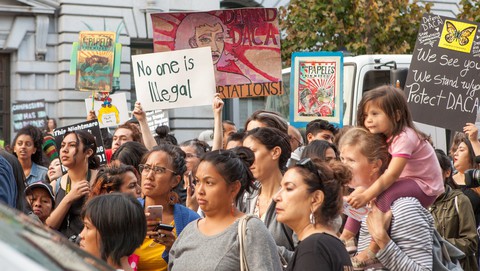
(165, 227)
(155, 212)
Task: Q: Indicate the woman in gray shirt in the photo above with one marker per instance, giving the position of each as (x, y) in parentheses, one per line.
(211, 243)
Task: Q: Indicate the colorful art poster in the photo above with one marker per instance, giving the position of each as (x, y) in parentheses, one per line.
(245, 46)
(112, 111)
(182, 78)
(442, 86)
(95, 58)
(316, 84)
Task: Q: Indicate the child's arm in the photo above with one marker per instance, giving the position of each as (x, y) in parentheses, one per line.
(395, 168)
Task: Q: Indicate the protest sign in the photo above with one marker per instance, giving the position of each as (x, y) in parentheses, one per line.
(444, 75)
(174, 79)
(157, 118)
(92, 127)
(245, 46)
(29, 113)
(357, 214)
(94, 61)
(316, 84)
(112, 111)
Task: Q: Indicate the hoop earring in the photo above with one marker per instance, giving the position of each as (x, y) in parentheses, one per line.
(172, 197)
(312, 218)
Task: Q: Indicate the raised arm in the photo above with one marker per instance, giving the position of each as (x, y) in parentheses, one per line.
(217, 124)
(472, 132)
(141, 116)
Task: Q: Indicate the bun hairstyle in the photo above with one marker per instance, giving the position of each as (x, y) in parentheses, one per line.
(88, 141)
(233, 165)
(201, 147)
(163, 136)
(330, 178)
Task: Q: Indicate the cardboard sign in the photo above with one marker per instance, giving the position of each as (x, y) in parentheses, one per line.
(443, 83)
(316, 84)
(109, 113)
(95, 58)
(245, 46)
(92, 127)
(174, 79)
(29, 113)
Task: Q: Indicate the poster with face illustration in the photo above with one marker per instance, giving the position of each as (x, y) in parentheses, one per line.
(245, 45)
(110, 110)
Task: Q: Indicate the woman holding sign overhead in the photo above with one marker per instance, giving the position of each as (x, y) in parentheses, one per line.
(77, 153)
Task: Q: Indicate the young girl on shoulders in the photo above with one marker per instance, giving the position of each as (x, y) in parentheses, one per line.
(413, 171)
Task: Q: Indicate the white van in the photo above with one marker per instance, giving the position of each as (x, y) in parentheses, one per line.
(362, 73)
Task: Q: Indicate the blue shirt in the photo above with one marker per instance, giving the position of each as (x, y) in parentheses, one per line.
(8, 185)
(37, 173)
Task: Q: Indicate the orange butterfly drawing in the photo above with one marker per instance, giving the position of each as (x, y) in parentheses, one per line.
(460, 36)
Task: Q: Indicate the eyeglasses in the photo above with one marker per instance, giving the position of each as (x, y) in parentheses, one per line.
(300, 144)
(144, 168)
(307, 164)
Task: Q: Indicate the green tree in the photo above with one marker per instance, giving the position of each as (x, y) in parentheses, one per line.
(356, 26)
(470, 12)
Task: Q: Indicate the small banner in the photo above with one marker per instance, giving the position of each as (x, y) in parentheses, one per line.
(29, 113)
(245, 46)
(113, 111)
(94, 61)
(174, 79)
(444, 75)
(316, 83)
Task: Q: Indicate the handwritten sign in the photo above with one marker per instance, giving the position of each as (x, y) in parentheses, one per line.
(245, 46)
(175, 79)
(157, 118)
(444, 77)
(111, 112)
(92, 127)
(316, 83)
(29, 113)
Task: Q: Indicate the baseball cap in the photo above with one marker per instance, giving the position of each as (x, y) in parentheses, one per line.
(40, 184)
(206, 136)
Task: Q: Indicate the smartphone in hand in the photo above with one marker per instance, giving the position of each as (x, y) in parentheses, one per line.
(156, 212)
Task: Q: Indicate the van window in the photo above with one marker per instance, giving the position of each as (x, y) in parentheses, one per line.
(375, 78)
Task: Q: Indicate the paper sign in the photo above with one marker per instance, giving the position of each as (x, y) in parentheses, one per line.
(245, 46)
(174, 79)
(157, 118)
(357, 214)
(109, 113)
(29, 113)
(443, 83)
(92, 127)
(316, 84)
(96, 51)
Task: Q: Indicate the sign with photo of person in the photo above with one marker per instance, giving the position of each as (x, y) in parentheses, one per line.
(245, 46)
(443, 83)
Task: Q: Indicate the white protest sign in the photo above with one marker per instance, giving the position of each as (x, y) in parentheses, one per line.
(356, 214)
(174, 79)
(111, 112)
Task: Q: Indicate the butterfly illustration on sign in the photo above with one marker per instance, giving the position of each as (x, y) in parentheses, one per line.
(460, 36)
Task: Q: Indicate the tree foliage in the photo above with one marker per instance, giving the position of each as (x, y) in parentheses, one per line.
(470, 12)
(356, 26)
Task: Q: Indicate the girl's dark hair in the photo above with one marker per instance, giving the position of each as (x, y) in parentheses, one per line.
(271, 138)
(164, 137)
(130, 153)
(176, 157)
(318, 149)
(37, 138)
(233, 165)
(201, 147)
(270, 119)
(121, 222)
(446, 164)
(330, 178)
(392, 101)
(89, 142)
(110, 178)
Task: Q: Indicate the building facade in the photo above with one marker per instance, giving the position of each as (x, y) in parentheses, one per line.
(36, 39)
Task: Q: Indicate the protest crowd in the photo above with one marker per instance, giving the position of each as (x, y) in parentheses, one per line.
(259, 195)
